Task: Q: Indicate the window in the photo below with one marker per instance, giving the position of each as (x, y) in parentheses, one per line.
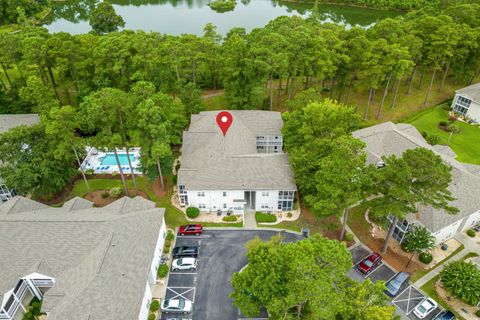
(201, 194)
(462, 105)
(202, 206)
(224, 193)
(224, 206)
(265, 206)
(181, 189)
(265, 194)
(285, 200)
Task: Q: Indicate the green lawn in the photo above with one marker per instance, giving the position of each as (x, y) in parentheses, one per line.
(429, 287)
(465, 144)
(173, 216)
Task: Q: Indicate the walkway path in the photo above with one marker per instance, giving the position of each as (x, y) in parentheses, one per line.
(249, 221)
(470, 246)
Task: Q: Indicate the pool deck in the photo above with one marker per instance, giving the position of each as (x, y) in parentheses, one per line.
(94, 158)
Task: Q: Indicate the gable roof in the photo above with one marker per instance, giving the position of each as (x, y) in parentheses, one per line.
(472, 91)
(100, 260)
(387, 139)
(10, 121)
(211, 161)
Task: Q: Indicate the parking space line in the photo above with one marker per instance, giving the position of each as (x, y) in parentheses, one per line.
(183, 273)
(391, 276)
(395, 299)
(177, 294)
(189, 237)
(371, 272)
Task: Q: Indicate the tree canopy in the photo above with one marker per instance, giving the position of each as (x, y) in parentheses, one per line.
(104, 19)
(304, 280)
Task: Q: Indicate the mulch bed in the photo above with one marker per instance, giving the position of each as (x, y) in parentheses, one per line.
(99, 201)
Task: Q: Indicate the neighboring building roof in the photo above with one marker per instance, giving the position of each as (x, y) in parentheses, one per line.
(10, 121)
(213, 162)
(393, 139)
(100, 260)
(472, 91)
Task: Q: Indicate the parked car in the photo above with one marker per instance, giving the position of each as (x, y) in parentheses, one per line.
(184, 264)
(189, 229)
(477, 227)
(179, 252)
(425, 307)
(445, 315)
(176, 305)
(369, 263)
(394, 284)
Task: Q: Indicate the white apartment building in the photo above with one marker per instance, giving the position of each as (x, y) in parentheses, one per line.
(245, 170)
(467, 102)
(82, 262)
(387, 139)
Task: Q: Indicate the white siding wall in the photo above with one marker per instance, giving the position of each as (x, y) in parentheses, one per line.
(158, 254)
(267, 197)
(474, 111)
(214, 200)
(471, 220)
(147, 298)
(447, 232)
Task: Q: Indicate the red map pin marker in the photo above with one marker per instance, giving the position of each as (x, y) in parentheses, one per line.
(224, 120)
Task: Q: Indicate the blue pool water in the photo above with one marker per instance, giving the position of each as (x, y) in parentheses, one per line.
(110, 160)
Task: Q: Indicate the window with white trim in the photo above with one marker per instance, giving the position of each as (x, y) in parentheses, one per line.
(265, 194)
(201, 194)
(202, 206)
(224, 193)
(224, 206)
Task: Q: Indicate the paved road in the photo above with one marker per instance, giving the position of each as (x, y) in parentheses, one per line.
(221, 254)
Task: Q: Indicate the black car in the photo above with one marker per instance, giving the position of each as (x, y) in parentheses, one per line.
(445, 315)
(179, 252)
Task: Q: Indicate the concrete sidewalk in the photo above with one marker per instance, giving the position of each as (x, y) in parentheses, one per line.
(249, 221)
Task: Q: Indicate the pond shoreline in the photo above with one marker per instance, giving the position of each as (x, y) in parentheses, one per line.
(344, 5)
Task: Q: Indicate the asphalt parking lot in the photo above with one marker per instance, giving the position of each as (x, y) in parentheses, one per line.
(221, 253)
(407, 298)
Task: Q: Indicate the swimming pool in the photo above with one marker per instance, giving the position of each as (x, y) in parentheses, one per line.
(109, 159)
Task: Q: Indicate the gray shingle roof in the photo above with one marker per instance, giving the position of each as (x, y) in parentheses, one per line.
(10, 121)
(211, 162)
(392, 139)
(100, 259)
(472, 91)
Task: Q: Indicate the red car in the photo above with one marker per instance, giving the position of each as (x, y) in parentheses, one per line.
(369, 263)
(195, 229)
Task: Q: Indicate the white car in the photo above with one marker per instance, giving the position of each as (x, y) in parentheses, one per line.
(176, 305)
(184, 264)
(424, 308)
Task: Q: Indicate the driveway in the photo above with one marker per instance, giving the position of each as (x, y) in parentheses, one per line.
(221, 253)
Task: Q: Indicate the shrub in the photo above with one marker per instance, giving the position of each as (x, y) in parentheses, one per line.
(442, 123)
(116, 192)
(265, 217)
(105, 194)
(229, 218)
(174, 179)
(170, 235)
(89, 171)
(162, 271)
(433, 139)
(462, 279)
(193, 212)
(28, 315)
(222, 5)
(114, 173)
(425, 257)
(477, 313)
(471, 233)
(348, 237)
(424, 134)
(151, 316)
(177, 166)
(154, 306)
(289, 214)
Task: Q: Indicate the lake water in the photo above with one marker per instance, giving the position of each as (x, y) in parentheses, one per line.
(190, 16)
